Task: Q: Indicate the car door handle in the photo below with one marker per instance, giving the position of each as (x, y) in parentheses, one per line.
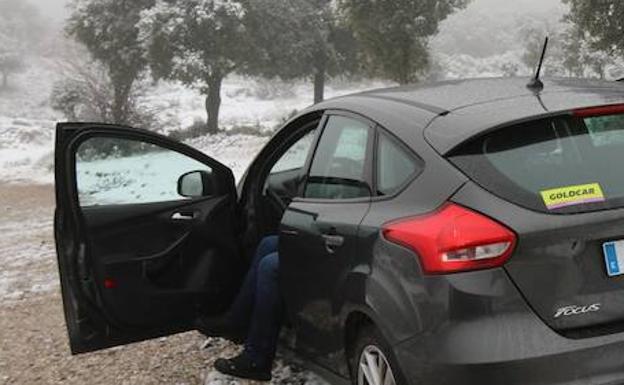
(182, 217)
(332, 242)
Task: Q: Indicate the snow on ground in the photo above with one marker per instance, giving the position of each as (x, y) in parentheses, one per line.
(25, 259)
(235, 151)
(27, 255)
(26, 150)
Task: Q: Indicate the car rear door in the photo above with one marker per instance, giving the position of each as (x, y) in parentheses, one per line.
(319, 233)
(145, 233)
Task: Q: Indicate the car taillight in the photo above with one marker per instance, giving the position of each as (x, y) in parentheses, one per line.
(453, 239)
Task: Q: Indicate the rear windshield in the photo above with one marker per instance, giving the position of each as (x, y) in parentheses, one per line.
(559, 165)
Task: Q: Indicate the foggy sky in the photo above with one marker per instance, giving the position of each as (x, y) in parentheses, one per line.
(55, 9)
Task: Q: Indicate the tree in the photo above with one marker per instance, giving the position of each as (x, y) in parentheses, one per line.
(570, 52)
(300, 39)
(581, 56)
(108, 29)
(555, 62)
(85, 92)
(602, 21)
(394, 34)
(20, 31)
(199, 43)
(11, 60)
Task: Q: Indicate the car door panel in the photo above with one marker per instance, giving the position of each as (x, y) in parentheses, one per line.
(319, 235)
(173, 267)
(131, 271)
(318, 243)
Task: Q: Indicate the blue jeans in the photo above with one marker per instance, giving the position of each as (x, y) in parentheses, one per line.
(258, 306)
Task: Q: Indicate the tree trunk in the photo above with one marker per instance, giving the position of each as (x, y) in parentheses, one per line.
(5, 80)
(319, 85)
(121, 103)
(213, 104)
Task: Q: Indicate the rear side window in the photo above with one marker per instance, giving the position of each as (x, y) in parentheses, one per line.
(395, 166)
(339, 167)
(561, 165)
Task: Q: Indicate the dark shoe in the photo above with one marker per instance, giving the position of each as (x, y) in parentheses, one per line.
(243, 366)
(219, 327)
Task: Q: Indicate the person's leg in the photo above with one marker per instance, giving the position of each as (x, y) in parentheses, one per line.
(241, 310)
(235, 323)
(267, 314)
(256, 360)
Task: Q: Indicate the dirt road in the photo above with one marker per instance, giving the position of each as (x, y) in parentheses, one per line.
(33, 338)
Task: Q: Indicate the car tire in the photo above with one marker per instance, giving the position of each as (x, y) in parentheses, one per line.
(372, 354)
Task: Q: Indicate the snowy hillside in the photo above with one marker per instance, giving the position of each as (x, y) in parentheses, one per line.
(27, 122)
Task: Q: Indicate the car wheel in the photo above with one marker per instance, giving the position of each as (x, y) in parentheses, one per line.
(373, 362)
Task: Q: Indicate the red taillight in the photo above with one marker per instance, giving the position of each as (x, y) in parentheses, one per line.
(110, 283)
(453, 239)
(613, 109)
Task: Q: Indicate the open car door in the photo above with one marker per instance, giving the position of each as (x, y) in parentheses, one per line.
(145, 230)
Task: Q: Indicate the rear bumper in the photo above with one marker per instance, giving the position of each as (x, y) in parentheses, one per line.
(599, 366)
(497, 339)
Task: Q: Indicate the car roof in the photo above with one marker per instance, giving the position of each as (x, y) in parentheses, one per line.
(449, 113)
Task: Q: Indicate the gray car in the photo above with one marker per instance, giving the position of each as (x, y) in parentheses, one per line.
(464, 232)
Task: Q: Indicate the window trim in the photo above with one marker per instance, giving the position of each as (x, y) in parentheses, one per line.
(368, 166)
(408, 150)
(293, 139)
(297, 133)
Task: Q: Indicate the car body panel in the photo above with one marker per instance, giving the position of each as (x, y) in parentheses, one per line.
(315, 272)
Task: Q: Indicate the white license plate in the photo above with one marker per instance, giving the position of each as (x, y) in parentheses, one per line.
(614, 257)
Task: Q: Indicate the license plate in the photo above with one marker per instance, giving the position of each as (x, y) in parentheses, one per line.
(614, 257)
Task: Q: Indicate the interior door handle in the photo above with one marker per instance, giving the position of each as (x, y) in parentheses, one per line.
(182, 217)
(332, 242)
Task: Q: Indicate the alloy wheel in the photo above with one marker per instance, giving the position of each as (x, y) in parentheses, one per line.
(374, 368)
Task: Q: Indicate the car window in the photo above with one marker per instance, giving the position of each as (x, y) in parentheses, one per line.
(563, 165)
(295, 157)
(113, 171)
(339, 166)
(395, 166)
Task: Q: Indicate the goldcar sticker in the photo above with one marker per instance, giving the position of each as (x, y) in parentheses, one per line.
(572, 195)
